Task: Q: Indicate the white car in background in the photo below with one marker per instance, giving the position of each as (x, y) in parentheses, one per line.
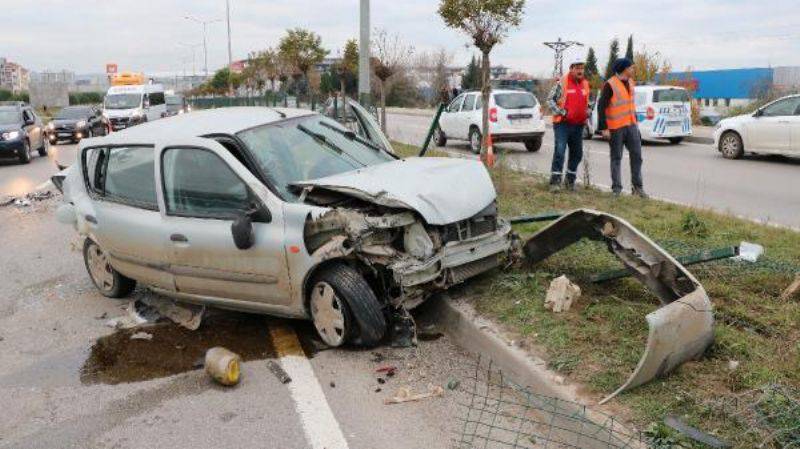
(663, 112)
(772, 129)
(514, 116)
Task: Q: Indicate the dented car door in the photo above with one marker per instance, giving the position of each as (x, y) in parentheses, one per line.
(205, 189)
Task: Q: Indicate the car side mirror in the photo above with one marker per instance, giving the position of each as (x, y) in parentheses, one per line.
(758, 113)
(242, 231)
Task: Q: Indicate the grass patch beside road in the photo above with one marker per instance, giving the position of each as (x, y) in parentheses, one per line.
(599, 341)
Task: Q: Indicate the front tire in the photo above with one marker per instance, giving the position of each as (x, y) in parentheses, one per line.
(344, 308)
(439, 137)
(44, 148)
(26, 155)
(675, 140)
(108, 281)
(731, 146)
(475, 140)
(534, 145)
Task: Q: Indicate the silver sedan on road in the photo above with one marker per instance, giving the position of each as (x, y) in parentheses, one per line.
(283, 212)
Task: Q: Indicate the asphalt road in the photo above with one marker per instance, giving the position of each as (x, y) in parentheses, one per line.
(761, 188)
(67, 380)
(18, 179)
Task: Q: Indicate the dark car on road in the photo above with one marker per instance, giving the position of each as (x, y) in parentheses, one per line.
(73, 123)
(21, 131)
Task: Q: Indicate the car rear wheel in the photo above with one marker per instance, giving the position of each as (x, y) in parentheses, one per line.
(730, 145)
(533, 145)
(439, 137)
(108, 280)
(675, 140)
(26, 155)
(344, 308)
(475, 140)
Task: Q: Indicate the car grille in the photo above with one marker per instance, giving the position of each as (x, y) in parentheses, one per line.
(119, 121)
(64, 128)
(485, 222)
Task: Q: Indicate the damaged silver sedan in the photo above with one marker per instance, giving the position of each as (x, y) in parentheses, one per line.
(282, 212)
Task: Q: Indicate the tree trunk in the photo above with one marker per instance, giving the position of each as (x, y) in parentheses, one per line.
(344, 100)
(486, 90)
(383, 107)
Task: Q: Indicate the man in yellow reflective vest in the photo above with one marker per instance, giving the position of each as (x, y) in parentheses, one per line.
(616, 114)
(569, 101)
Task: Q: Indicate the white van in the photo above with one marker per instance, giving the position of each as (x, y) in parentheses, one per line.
(663, 112)
(125, 106)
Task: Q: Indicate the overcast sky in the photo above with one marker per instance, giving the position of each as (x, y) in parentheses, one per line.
(145, 35)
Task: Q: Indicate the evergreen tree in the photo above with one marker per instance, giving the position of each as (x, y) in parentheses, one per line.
(629, 50)
(472, 77)
(613, 55)
(591, 64)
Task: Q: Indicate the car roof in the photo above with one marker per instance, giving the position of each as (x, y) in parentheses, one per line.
(500, 91)
(200, 123)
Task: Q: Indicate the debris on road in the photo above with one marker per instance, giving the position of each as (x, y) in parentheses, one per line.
(153, 309)
(694, 433)
(792, 289)
(388, 370)
(281, 374)
(405, 394)
(453, 384)
(142, 336)
(561, 294)
(223, 366)
(27, 200)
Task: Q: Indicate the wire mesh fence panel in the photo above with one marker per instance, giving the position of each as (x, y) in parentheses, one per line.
(501, 414)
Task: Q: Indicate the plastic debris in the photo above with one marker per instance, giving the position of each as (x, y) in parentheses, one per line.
(142, 336)
(223, 366)
(388, 370)
(561, 294)
(453, 384)
(749, 252)
(695, 434)
(405, 394)
(281, 374)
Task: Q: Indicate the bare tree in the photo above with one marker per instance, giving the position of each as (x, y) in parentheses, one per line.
(390, 55)
(486, 22)
(431, 69)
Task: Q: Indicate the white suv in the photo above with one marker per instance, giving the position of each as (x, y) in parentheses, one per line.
(514, 116)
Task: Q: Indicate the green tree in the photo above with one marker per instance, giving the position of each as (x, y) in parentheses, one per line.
(222, 80)
(347, 69)
(629, 50)
(613, 55)
(472, 76)
(303, 50)
(487, 23)
(592, 72)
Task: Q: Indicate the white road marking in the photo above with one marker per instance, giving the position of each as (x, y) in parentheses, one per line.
(319, 424)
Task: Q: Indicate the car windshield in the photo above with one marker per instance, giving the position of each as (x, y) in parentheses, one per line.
(123, 101)
(9, 117)
(671, 95)
(174, 100)
(72, 113)
(515, 101)
(308, 148)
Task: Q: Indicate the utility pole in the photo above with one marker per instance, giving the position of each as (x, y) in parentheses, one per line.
(559, 47)
(363, 56)
(230, 57)
(205, 24)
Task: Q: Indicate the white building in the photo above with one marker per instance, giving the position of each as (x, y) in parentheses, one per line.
(13, 76)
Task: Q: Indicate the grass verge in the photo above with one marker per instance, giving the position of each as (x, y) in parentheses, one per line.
(599, 341)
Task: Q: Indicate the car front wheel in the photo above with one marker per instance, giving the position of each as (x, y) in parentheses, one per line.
(43, 150)
(109, 281)
(344, 308)
(730, 145)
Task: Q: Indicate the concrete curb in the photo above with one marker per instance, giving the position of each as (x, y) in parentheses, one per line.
(480, 336)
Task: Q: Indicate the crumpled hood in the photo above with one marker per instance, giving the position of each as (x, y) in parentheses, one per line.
(442, 190)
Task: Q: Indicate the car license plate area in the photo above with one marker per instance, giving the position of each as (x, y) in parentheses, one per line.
(519, 119)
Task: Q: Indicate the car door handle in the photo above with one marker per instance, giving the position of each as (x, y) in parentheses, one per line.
(90, 219)
(178, 238)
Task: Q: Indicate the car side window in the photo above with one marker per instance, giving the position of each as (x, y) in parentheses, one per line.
(455, 105)
(156, 98)
(27, 115)
(198, 183)
(129, 177)
(469, 103)
(780, 108)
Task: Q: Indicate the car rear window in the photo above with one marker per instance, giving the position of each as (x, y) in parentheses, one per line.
(670, 95)
(515, 100)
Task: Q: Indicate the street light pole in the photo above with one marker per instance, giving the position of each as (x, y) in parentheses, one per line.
(230, 57)
(363, 56)
(205, 24)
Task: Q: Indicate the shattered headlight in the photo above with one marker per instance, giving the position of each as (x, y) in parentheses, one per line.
(417, 242)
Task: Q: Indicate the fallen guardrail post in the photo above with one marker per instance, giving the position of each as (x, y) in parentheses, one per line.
(691, 259)
(547, 216)
(432, 128)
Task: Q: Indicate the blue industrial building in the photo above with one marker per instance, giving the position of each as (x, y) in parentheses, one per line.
(722, 87)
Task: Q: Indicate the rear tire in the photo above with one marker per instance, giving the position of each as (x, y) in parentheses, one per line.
(344, 308)
(45, 147)
(675, 140)
(26, 155)
(108, 281)
(439, 137)
(731, 146)
(475, 140)
(534, 145)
